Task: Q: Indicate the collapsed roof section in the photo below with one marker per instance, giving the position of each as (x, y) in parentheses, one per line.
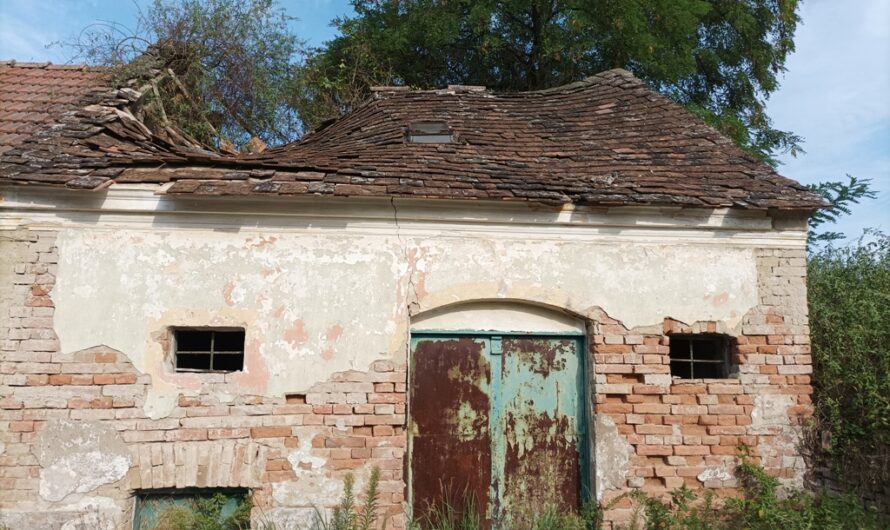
(607, 140)
(68, 126)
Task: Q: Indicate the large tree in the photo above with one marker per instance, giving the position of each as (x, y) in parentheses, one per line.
(719, 58)
(224, 67)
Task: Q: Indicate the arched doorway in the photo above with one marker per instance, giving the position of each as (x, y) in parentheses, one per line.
(498, 411)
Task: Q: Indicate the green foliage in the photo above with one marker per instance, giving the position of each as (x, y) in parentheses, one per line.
(447, 517)
(759, 507)
(720, 58)
(450, 515)
(204, 514)
(840, 196)
(849, 301)
(349, 515)
(682, 512)
(234, 57)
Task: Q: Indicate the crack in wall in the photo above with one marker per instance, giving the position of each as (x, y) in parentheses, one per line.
(412, 296)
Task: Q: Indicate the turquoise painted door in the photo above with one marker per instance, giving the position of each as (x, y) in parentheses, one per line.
(508, 425)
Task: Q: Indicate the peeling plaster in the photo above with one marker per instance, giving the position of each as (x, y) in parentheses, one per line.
(628, 281)
(159, 404)
(502, 317)
(715, 473)
(613, 453)
(291, 517)
(316, 304)
(301, 459)
(771, 410)
(94, 513)
(314, 486)
(88, 513)
(78, 457)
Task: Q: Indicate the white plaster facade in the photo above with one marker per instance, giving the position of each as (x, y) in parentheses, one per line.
(326, 285)
(331, 285)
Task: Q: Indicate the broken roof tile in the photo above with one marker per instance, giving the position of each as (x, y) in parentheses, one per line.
(606, 140)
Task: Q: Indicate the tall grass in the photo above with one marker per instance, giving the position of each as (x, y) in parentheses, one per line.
(348, 514)
(759, 506)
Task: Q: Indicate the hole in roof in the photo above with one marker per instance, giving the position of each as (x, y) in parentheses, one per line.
(430, 132)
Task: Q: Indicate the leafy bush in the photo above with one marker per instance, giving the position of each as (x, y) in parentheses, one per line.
(759, 507)
(849, 293)
(204, 514)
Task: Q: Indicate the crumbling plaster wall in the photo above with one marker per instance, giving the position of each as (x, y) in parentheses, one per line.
(314, 305)
(327, 314)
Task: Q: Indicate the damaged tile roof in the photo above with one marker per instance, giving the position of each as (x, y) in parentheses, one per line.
(607, 140)
(65, 125)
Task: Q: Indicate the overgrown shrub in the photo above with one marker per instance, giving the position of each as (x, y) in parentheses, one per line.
(204, 514)
(760, 506)
(849, 294)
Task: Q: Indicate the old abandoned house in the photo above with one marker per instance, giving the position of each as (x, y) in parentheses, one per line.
(530, 297)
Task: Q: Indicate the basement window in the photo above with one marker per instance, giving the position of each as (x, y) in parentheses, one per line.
(704, 356)
(155, 509)
(208, 350)
(430, 132)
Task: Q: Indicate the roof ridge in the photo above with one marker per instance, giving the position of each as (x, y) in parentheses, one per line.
(47, 65)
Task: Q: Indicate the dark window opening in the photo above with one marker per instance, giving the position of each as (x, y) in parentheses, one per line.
(699, 356)
(209, 350)
(226, 507)
(295, 399)
(430, 132)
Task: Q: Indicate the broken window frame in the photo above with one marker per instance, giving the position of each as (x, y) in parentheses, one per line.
(212, 352)
(721, 358)
(430, 132)
(149, 503)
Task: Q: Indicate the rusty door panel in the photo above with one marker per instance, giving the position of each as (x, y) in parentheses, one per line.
(450, 441)
(498, 419)
(539, 408)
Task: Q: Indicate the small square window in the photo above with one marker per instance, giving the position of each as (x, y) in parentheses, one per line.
(208, 350)
(430, 132)
(700, 356)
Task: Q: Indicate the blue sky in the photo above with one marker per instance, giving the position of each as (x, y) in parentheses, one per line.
(836, 93)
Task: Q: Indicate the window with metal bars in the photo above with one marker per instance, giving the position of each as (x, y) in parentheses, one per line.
(704, 356)
(208, 350)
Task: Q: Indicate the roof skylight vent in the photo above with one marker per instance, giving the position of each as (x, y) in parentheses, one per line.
(430, 132)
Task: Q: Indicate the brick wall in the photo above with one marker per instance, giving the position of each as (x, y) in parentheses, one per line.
(290, 451)
(688, 432)
(354, 421)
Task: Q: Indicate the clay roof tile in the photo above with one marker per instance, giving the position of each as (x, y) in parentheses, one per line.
(605, 140)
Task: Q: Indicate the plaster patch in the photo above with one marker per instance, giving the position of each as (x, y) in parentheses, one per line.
(291, 517)
(715, 473)
(94, 513)
(313, 486)
(331, 295)
(159, 404)
(301, 459)
(771, 410)
(628, 281)
(78, 457)
(613, 454)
